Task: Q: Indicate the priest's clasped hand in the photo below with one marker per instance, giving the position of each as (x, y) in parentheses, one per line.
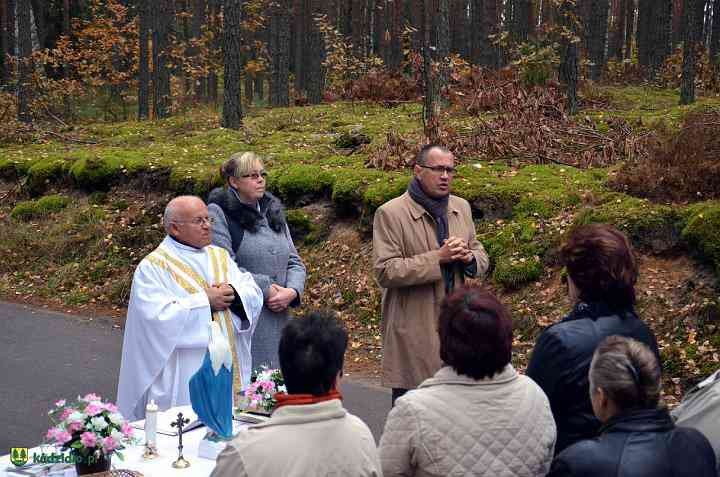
(220, 296)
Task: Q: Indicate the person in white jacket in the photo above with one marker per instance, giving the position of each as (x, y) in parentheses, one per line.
(309, 432)
(477, 416)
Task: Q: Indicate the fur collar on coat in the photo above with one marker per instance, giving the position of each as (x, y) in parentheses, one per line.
(247, 216)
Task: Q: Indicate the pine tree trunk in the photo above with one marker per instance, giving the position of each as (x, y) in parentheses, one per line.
(232, 108)
(379, 26)
(659, 35)
(25, 68)
(615, 43)
(521, 20)
(644, 20)
(629, 27)
(279, 46)
(442, 39)
(597, 31)
(316, 71)
(3, 43)
(38, 14)
(163, 21)
(414, 17)
(715, 35)
(144, 72)
(431, 104)
(677, 22)
(11, 45)
(198, 20)
(485, 22)
(357, 22)
(690, 47)
(300, 13)
(395, 55)
(459, 24)
(568, 72)
(214, 19)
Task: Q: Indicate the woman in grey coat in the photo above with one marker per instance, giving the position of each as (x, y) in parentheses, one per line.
(250, 223)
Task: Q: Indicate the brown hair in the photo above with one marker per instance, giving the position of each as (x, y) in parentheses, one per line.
(600, 261)
(628, 372)
(475, 332)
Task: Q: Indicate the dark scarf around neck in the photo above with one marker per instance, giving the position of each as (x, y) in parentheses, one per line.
(438, 210)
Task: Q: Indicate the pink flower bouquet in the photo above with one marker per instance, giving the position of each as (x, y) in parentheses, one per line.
(259, 396)
(89, 426)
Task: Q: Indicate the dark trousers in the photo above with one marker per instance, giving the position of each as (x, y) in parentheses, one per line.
(396, 393)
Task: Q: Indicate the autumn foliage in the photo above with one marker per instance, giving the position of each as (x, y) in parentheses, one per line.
(685, 167)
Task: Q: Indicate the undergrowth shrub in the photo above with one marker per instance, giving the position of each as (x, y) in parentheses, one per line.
(683, 167)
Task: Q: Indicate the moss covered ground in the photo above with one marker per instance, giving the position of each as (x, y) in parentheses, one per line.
(78, 215)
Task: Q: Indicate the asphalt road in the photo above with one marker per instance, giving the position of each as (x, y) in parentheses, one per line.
(46, 356)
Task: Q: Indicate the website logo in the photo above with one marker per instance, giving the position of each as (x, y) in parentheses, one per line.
(19, 456)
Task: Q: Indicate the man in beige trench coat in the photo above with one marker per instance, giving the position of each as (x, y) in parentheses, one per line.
(423, 246)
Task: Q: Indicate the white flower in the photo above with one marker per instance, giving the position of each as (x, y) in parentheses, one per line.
(116, 418)
(99, 423)
(117, 435)
(76, 416)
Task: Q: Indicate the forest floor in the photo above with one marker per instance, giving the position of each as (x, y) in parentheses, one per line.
(81, 207)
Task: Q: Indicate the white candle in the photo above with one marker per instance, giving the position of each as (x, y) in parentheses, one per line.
(151, 411)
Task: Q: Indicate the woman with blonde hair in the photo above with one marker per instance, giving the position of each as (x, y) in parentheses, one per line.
(250, 223)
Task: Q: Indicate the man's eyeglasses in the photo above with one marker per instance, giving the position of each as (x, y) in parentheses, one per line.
(451, 171)
(255, 175)
(197, 221)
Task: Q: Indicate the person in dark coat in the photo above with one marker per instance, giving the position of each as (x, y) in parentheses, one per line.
(638, 437)
(601, 276)
(249, 222)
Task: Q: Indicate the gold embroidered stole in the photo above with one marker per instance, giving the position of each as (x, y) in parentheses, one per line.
(193, 282)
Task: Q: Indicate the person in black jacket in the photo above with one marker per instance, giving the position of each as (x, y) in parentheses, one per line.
(601, 280)
(638, 437)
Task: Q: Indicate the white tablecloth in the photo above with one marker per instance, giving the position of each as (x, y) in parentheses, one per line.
(158, 467)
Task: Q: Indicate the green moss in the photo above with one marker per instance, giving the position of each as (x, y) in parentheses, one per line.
(25, 210)
(42, 207)
(96, 173)
(384, 189)
(196, 181)
(301, 226)
(52, 203)
(649, 226)
(349, 187)
(92, 215)
(533, 191)
(300, 182)
(702, 231)
(43, 172)
(10, 169)
(97, 198)
(516, 249)
(512, 272)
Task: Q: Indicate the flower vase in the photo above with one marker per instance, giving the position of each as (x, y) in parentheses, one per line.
(92, 464)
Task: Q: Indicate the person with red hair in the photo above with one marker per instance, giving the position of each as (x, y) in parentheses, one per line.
(476, 415)
(601, 277)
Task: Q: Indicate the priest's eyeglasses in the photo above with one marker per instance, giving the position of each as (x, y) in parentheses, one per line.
(440, 169)
(255, 175)
(197, 221)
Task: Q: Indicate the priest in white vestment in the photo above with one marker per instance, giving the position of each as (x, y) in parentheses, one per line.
(177, 290)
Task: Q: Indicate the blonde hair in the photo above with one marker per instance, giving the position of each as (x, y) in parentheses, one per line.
(239, 164)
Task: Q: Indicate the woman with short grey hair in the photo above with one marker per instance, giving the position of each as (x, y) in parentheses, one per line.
(638, 436)
(250, 223)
